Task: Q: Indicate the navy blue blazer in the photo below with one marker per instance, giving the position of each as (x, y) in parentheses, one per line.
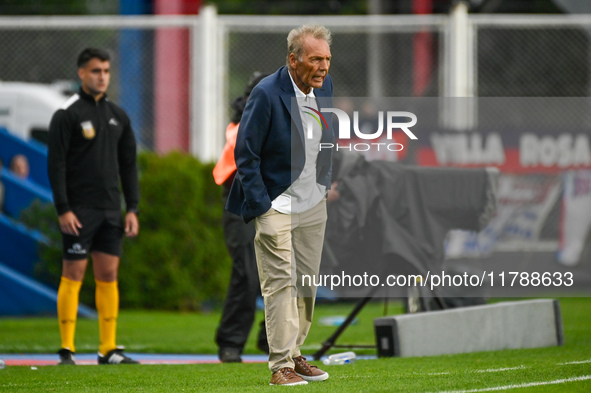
(270, 147)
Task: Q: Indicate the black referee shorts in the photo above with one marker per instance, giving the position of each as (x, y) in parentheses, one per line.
(102, 231)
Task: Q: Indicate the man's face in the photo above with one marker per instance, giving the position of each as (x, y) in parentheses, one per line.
(95, 77)
(20, 167)
(311, 71)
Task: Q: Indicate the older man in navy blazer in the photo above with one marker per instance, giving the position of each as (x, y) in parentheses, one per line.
(283, 176)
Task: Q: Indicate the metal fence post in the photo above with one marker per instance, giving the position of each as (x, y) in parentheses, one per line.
(459, 70)
(205, 86)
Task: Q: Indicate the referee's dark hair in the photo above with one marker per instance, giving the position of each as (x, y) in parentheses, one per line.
(91, 53)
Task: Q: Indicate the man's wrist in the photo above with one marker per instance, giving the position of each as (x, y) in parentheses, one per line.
(62, 208)
(134, 211)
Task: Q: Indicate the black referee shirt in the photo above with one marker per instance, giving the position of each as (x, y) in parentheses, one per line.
(92, 147)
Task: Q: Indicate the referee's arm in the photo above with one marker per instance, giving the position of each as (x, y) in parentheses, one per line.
(127, 156)
(58, 143)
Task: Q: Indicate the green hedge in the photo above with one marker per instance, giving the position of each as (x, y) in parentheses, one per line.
(179, 260)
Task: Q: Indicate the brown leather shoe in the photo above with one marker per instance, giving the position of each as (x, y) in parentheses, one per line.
(308, 371)
(288, 377)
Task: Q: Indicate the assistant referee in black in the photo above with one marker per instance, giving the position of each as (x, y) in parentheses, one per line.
(92, 150)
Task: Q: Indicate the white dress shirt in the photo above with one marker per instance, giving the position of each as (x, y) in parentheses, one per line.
(305, 192)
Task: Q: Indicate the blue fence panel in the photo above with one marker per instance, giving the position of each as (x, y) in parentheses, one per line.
(20, 193)
(18, 245)
(24, 296)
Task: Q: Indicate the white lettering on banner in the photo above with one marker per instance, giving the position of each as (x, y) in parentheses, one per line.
(576, 216)
(561, 151)
(468, 148)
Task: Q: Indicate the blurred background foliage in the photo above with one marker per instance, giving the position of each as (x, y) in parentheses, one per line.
(179, 261)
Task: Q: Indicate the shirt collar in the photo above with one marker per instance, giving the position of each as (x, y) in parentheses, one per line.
(88, 97)
(298, 92)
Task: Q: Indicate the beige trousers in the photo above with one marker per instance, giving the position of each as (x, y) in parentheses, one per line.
(288, 246)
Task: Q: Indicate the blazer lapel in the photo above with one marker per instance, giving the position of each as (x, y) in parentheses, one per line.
(290, 103)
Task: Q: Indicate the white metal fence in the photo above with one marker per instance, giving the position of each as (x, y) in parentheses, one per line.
(374, 56)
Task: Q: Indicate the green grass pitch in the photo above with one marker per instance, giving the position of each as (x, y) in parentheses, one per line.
(555, 369)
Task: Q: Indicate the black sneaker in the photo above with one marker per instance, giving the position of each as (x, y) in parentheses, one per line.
(115, 356)
(66, 357)
(230, 355)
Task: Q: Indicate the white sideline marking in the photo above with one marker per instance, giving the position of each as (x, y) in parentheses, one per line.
(494, 370)
(522, 385)
(578, 362)
(522, 367)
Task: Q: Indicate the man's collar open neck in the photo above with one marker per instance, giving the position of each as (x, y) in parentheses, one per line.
(89, 96)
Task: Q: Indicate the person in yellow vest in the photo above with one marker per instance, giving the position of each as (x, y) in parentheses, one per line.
(240, 304)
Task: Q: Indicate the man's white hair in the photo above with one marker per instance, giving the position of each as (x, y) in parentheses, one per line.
(295, 39)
